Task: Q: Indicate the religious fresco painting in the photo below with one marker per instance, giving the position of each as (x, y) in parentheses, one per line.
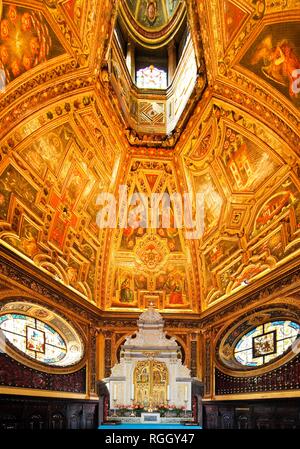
(275, 57)
(273, 207)
(49, 150)
(247, 166)
(152, 261)
(130, 236)
(140, 281)
(125, 291)
(26, 40)
(273, 235)
(174, 284)
(152, 13)
(170, 234)
(75, 185)
(169, 283)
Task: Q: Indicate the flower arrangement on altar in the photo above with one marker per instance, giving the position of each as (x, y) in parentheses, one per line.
(163, 409)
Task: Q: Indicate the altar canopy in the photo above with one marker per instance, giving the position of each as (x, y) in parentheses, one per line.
(150, 372)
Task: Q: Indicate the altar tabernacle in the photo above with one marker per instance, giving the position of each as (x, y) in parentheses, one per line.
(150, 373)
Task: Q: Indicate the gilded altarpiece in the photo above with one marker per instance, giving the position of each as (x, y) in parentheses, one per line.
(151, 381)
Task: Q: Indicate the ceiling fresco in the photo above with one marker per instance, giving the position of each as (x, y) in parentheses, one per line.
(63, 142)
(275, 57)
(26, 40)
(152, 14)
(153, 264)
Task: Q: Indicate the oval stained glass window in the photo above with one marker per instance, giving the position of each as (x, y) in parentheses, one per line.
(38, 340)
(266, 343)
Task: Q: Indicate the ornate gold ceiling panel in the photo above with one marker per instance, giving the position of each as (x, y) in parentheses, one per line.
(150, 264)
(63, 141)
(250, 177)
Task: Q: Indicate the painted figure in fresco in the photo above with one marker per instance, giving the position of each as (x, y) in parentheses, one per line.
(151, 10)
(174, 285)
(72, 274)
(47, 150)
(280, 62)
(140, 282)
(126, 292)
(176, 294)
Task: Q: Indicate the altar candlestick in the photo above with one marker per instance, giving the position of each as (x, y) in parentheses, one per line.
(185, 393)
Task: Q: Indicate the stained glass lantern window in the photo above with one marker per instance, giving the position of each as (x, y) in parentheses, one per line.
(266, 342)
(39, 340)
(151, 78)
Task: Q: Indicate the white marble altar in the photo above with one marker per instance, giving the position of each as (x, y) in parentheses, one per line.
(150, 346)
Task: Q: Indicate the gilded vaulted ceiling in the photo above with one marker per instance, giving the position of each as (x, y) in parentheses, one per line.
(64, 141)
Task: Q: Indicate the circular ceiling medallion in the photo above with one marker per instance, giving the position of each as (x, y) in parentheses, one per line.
(151, 252)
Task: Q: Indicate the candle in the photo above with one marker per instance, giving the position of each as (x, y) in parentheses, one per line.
(132, 392)
(168, 393)
(115, 393)
(185, 393)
